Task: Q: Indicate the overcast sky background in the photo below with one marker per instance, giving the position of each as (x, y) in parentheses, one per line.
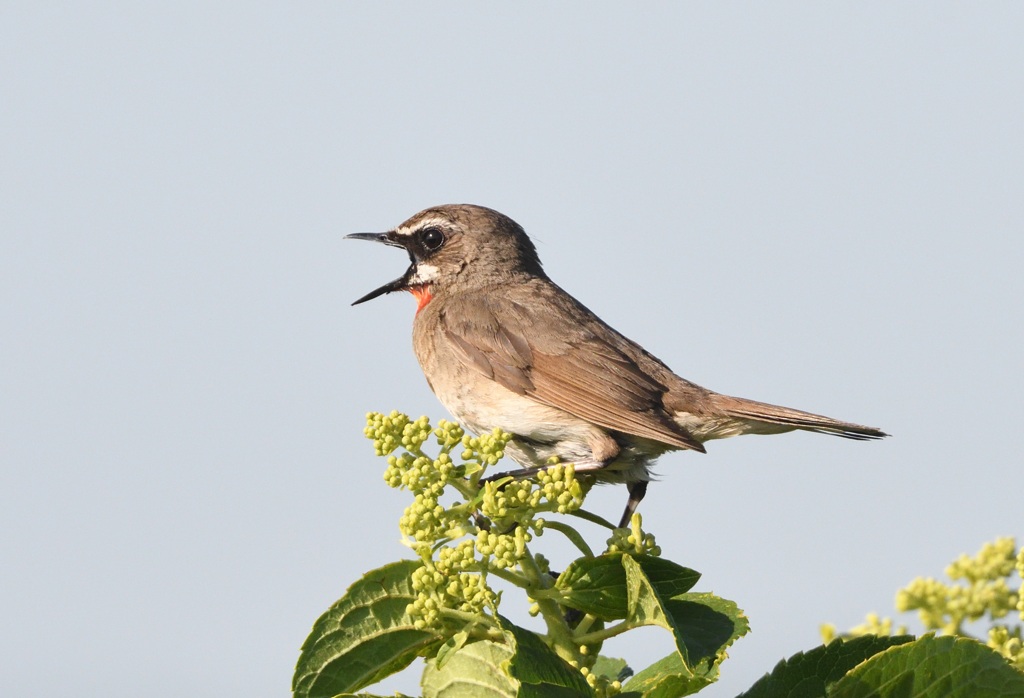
(813, 204)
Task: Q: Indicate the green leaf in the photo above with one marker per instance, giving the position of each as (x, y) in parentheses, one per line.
(521, 667)
(612, 668)
(806, 674)
(707, 625)
(475, 671)
(666, 678)
(933, 667)
(597, 585)
(702, 625)
(448, 649)
(643, 603)
(541, 673)
(364, 637)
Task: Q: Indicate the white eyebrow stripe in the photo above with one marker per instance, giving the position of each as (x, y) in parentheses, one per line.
(420, 225)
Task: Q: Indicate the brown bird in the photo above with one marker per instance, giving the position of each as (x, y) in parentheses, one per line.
(503, 346)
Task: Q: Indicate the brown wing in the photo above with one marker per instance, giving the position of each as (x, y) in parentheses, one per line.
(527, 346)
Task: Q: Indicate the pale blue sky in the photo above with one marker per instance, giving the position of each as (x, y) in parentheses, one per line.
(814, 204)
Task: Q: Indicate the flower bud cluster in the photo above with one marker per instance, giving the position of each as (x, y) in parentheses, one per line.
(947, 607)
(419, 473)
(985, 591)
(385, 431)
(1008, 643)
(425, 520)
(603, 686)
(451, 581)
(1020, 573)
(503, 550)
(994, 560)
(633, 540)
(486, 449)
(449, 435)
(512, 509)
(514, 503)
(876, 625)
(501, 519)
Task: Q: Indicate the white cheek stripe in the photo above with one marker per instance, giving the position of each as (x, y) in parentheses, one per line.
(425, 273)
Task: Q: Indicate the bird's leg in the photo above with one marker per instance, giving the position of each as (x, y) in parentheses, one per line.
(637, 490)
(521, 474)
(527, 473)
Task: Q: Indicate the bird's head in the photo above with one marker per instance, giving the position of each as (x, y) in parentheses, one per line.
(455, 248)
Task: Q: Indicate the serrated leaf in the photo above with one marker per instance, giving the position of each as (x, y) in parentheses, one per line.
(365, 636)
(475, 671)
(932, 667)
(702, 625)
(806, 674)
(668, 578)
(594, 585)
(541, 673)
(666, 678)
(708, 625)
(523, 667)
(597, 585)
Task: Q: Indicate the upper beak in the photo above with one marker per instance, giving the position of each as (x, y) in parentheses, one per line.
(399, 284)
(388, 238)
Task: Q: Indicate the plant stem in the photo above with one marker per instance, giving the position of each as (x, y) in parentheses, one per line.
(593, 518)
(488, 628)
(471, 618)
(604, 634)
(584, 625)
(562, 641)
(572, 534)
(519, 580)
(465, 488)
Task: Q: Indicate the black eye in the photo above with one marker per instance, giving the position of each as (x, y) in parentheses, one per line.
(432, 238)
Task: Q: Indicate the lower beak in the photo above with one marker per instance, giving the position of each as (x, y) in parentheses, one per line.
(399, 284)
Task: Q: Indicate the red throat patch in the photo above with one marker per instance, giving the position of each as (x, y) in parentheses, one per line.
(422, 295)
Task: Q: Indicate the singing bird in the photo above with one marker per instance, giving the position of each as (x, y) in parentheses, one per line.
(502, 345)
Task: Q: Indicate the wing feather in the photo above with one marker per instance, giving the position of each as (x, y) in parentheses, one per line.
(577, 369)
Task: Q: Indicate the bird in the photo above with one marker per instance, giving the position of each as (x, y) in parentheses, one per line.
(502, 345)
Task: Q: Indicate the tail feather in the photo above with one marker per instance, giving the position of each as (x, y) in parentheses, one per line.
(767, 419)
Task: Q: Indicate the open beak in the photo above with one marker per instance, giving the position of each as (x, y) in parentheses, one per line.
(399, 284)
